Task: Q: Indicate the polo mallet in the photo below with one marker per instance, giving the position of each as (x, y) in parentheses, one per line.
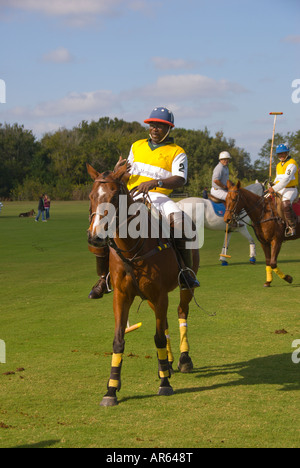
(226, 244)
(132, 327)
(271, 154)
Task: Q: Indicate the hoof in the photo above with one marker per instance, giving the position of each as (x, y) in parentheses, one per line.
(252, 260)
(185, 364)
(288, 279)
(267, 285)
(165, 391)
(109, 401)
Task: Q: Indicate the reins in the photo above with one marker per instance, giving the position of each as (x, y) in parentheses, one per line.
(262, 200)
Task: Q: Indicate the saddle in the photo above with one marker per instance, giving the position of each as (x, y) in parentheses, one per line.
(214, 199)
(218, 205)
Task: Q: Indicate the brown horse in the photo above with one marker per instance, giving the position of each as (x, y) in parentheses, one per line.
(139, 266)
(269, 227)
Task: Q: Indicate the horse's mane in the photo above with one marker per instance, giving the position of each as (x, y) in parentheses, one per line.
(248, 193)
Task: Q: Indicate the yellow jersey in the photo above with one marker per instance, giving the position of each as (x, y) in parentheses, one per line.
(159, 162)
(283, 170)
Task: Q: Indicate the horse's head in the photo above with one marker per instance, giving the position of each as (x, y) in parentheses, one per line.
(104, 203)
(233, 202)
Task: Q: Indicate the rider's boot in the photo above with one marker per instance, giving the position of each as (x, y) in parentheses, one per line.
(180, 225)
(290, 219)
(187, 277)
(102, 264)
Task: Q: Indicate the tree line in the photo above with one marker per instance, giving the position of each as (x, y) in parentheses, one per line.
(56, 164)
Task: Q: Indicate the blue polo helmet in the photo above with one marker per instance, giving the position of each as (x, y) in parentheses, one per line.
(282, 149)
(161, 114)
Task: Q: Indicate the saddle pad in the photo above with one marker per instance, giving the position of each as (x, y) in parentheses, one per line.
(296, 208)
(219, 208)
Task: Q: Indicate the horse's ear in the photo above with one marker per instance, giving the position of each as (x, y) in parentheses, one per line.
(238, 184)
(229, 184)
(120, 172)
(93, 173)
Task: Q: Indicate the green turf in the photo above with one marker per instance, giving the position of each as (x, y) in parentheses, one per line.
(243, 392)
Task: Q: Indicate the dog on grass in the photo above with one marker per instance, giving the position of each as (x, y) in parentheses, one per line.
(29, 214)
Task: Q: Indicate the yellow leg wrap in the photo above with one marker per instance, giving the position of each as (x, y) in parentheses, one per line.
(184, 344)
(279, 273)
(162, 354)
(113, 383)
(269, 274)
(163, 370)
(116, 364)
(169, 350)
(163, 374)
(116, 360)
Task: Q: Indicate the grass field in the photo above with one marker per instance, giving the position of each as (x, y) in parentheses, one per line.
(243, 392)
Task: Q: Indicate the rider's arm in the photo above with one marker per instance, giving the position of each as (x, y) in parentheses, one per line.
(285, 179)
(219, 184)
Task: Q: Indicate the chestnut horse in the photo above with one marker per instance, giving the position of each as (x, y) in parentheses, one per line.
(139, 266)
(269, 227)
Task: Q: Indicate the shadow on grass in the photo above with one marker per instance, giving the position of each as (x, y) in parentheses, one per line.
(278, 370)
(41, 444)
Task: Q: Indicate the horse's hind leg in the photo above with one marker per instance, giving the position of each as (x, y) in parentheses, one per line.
(276, 246)
(169, 349)
(185, 363)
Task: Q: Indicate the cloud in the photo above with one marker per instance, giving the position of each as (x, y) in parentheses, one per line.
(76, 13)
(190, 86)
(191, 97)
(162, 63)
(292, 39)
(64, 7)
(60, 55)
(205, 93)
(72, 104)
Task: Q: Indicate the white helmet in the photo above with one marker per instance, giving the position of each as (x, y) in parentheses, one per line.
(224, 155)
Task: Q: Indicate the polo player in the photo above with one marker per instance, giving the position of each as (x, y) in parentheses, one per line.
(286, 183)
(157, 167)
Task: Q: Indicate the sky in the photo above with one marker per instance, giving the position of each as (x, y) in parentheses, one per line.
(223, 65)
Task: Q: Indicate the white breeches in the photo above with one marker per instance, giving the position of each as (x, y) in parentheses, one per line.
(289, 194)
(219, 193)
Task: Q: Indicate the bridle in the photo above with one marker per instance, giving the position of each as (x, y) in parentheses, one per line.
(236, 217)
(232, 211)
(101, 180)
(137, 248)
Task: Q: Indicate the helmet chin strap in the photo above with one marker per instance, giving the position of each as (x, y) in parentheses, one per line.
(284, 160)
(163, 139)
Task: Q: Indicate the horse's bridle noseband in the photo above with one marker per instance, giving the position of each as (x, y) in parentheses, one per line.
(236, 200)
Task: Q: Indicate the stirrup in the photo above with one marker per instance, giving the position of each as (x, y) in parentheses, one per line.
(188, 281)
(100, 288)
(290, 231)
